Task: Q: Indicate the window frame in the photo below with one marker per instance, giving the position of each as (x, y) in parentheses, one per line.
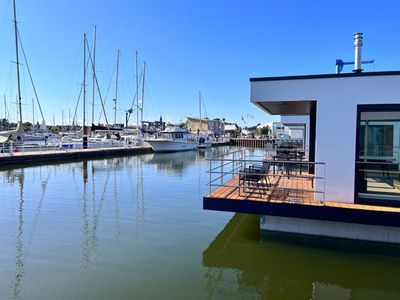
(370, 108)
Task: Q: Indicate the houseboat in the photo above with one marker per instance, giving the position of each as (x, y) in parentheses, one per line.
(347, 183)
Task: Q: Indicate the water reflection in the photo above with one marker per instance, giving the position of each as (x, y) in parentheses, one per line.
(91, 186)
(277, 269)
(19, 241)
(173, 163)
(43, 185)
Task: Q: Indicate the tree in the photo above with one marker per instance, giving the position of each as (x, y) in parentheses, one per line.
(265, 130)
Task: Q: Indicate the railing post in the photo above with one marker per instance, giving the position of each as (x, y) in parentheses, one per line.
(209, 183)
(222, 171)
(233, 164)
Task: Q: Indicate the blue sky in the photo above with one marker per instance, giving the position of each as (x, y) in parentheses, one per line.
(212, 46)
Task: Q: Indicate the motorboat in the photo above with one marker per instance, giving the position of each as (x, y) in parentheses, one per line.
(204, 141)
(173, 140)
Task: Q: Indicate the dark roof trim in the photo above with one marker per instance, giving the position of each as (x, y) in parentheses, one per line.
(321, 76)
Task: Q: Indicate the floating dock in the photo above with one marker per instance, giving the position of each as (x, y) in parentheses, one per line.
(306, 215)
(289, 196)
(35, 157)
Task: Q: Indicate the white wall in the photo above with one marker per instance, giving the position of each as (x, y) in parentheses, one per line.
(337, 100)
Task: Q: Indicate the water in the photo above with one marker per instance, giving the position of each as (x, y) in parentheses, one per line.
(134, 228)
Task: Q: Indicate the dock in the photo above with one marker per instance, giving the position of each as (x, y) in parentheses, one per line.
(272, 203)
(35, 157)
(221, 143)
(251, 142)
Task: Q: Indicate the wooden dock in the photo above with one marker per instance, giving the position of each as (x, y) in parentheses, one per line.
(251, 143)
(229, 197)
(40, 157)
(223, 143)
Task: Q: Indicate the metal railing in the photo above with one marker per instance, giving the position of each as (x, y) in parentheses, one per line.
(11, 149)
(251, 175)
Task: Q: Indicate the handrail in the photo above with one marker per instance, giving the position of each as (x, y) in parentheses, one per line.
(271, 161)
(287, 177)
(277, 175)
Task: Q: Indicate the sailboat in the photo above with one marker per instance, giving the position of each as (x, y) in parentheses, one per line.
(11, 135)
(14, 135)
(204, 139)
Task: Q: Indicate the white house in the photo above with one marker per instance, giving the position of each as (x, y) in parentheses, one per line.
(352, 123)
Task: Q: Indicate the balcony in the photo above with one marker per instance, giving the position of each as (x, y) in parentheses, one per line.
(280, 175)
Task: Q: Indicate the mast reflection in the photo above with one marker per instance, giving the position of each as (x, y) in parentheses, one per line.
(19, 241)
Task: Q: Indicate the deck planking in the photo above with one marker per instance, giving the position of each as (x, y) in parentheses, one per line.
(300, 192)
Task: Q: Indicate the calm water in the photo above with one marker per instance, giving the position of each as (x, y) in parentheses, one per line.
(134, 228)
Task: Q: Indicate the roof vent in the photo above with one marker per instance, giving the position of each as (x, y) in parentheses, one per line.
(358, 43)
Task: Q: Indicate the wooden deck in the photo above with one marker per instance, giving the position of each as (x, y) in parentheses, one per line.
(297, 200)
(280, 189)
(230, 190)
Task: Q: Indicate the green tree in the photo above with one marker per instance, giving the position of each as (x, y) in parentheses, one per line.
(265, 130)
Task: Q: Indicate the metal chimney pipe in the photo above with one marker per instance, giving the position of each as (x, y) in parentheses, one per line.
(358, 43)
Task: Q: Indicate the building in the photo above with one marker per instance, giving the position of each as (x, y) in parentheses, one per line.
(231, 130)
(193, 124)
(351, 125)
(153, 126)
(216, 126)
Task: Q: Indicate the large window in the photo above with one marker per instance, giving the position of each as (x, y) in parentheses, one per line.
(377, 155)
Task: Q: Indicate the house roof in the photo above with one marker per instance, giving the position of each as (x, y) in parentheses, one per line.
(317, 76)
(197, 119)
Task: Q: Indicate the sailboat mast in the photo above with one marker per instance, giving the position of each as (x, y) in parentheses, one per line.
(141, 110)
(94, 71)
(200, 110)
(17, 62)
(137, 93)
(84, 136)
(5, 107)
(116, 90)
(33, 112)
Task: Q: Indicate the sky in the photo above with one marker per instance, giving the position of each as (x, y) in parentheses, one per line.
(189, 46)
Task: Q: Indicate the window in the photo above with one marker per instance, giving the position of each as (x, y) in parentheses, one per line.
(377, 178)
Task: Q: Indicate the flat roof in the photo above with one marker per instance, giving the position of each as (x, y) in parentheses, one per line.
(322, 76)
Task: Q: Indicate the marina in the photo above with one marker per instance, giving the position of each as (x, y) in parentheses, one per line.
(109, 234)
(209, 150)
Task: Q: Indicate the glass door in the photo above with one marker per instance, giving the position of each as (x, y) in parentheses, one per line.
(377, 154)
